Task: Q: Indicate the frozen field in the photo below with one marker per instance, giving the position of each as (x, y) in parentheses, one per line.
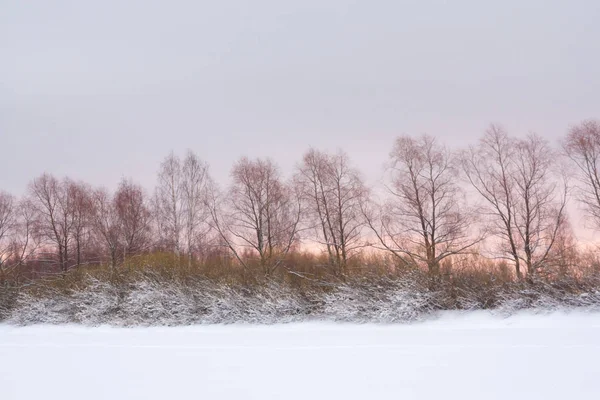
(473, 356)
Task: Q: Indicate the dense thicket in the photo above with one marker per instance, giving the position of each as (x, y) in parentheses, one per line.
(158, 290)
(453, 229)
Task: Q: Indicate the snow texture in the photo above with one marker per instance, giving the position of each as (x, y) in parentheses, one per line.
(458, 356)
(152, 302)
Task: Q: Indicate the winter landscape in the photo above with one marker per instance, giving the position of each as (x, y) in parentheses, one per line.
(299, 200)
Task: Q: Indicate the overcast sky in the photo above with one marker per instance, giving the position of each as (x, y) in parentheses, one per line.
(100, 90)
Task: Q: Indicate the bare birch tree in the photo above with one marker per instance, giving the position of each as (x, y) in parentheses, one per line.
(8, 222)
(53, 206)
(582, 146)
(107, 225)
(180, 203)
(263, 214)
(195, 183)
(216, 204)
(333, 192)
(17, 240)
(134, 218)
(526, 199)
(425, 220)
(80, 210)
(169, 203)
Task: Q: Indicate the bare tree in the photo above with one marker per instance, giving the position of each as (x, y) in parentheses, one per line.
(7, 226)
(218, 220)
(195, 182)
(426, 219)
(7, 219)
(169, 203)
(80, 213)
(180, 203)
(134, 218)
(53, 206)
(564, 257)
(17, 241)
(525, 200)
(263, 214)
(582, 146)
(107, 225)
(333, 192)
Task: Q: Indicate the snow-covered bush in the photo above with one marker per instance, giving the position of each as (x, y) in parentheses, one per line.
(8, 297)
(543, 298)
(270, 303)
(148, 298)
(383, 301)
(152, 303)
(96, 303)
(47, 308)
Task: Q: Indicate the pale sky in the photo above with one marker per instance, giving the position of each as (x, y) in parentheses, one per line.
(100, 90)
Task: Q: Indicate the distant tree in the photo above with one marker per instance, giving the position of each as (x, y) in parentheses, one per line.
(81, 216)
(169, 203)
(107, 224)
(426, 219)
(7, 219)
(63, 216)
(582, 146)
(7, 226)
(564, 258)
(262, 214)
(134, 218)
(195, 183)
(333, 193)
(180, 203)
(54, 210)
(525, 196)
(17, 240)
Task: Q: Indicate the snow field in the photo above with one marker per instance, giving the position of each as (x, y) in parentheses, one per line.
(458, 356)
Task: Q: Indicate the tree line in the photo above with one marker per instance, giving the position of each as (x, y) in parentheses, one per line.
(504, 198)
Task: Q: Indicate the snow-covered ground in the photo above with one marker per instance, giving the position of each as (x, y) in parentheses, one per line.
(472, 356)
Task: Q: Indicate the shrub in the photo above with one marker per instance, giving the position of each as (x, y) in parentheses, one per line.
(158, 290)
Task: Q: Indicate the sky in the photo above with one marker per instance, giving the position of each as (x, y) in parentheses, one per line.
(101, 90)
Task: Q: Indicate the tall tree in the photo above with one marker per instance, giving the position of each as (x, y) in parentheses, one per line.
(8, 223)
(525, 196)
(262, 215)
(80, 214)
(169, 202)
(582, 146)
(107, 224)
(333, 192)
(195, 182)
(7, 220)
(134, 218)
(54, 208)
(17, 240)
(425, 220)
